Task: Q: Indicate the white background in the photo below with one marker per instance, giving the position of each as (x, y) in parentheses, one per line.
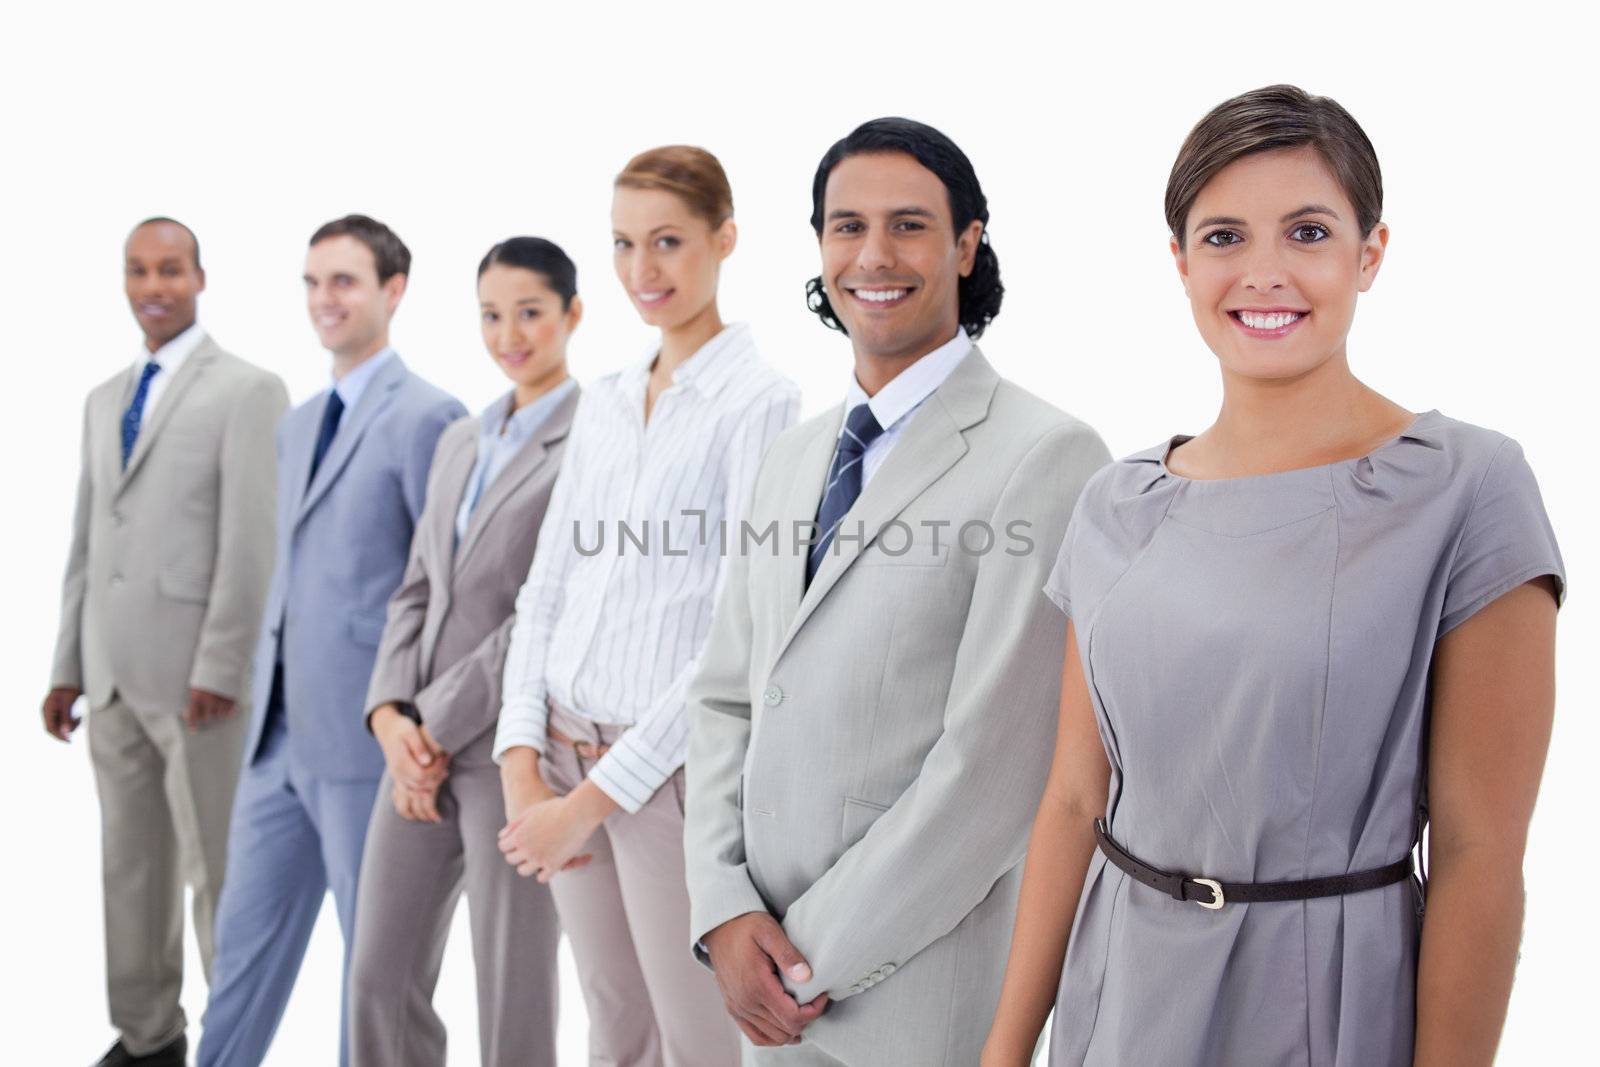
(463, 125)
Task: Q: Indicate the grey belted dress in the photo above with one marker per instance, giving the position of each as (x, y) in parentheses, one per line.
(1258, 653)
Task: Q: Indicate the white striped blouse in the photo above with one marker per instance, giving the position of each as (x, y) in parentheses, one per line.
(615, 635)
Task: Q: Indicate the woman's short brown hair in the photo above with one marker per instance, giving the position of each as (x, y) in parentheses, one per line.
(692, 174)
(1278, 116)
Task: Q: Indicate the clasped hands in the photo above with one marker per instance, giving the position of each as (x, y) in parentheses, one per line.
(747, 954)
(545, 832)
(417, 765)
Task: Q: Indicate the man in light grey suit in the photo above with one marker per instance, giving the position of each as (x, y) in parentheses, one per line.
(352, 472)
(874, 715)
(171, 554)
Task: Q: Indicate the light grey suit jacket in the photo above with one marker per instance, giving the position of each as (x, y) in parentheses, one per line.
(444, 645)
(171, 556)
(343, 540)
(866, 754)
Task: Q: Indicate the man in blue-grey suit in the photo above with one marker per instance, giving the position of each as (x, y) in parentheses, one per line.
(352, 468)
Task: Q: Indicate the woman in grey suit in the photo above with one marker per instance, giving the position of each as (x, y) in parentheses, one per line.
(1297, 639)
(435, 693)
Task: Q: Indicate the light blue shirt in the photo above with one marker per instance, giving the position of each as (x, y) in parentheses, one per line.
(501, 438)
(353, 384)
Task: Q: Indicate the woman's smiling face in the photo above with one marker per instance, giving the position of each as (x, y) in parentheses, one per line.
(1273, 258)
(666, 256)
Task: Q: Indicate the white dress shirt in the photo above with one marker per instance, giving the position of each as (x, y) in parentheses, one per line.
(170, 357)
(895, 403)
(615, 635)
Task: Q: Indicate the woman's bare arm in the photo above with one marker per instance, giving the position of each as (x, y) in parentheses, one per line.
(1059, 850)
(1493, 701)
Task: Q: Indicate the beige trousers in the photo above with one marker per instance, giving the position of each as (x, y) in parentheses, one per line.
(626, 914)
(166, 795)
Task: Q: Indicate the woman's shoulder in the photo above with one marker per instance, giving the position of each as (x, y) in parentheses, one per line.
(1136, 474)
(1442, 454)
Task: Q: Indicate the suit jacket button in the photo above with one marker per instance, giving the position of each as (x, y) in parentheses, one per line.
(116, 579)
(772, 697)
(116, 518)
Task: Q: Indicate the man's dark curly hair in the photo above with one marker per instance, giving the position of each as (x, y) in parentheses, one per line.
(980, 292)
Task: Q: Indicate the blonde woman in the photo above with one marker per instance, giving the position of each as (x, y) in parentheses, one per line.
(593, 731)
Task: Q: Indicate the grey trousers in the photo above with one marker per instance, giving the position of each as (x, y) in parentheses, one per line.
(626, 913)
(412, 874)
(166, 795)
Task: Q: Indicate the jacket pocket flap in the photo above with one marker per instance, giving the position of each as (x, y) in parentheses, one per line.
(859, 815)
(184, 585)
(915, 554)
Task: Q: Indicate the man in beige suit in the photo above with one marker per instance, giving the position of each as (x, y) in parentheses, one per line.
(169, 564)
(873, 720)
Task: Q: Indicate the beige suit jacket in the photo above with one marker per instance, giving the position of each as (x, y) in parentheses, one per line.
(171, 557)
(449, 623)
(867, 754)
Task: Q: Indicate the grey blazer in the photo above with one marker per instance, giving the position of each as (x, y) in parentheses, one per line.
(342, 547)
(450, 621)
(866, 754)
(171, 556)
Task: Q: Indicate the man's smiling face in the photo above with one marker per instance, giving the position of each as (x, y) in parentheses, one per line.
(892, 262)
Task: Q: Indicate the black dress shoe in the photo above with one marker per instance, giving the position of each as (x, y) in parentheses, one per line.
(174, 1053)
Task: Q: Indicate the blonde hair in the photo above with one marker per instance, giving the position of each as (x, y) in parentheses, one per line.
(691, 174)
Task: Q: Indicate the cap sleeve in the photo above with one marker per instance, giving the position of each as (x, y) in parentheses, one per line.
(1057, 586)
(1507, 541)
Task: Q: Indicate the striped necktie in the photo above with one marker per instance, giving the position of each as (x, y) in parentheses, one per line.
(844, 481)
(133, 418)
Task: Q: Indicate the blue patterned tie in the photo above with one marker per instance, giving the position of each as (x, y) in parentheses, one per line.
(330, 426)
(844, 480)
(134, 416)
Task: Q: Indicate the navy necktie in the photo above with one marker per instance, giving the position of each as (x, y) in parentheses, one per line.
(134, 416)
(844, 481)
(330, 426)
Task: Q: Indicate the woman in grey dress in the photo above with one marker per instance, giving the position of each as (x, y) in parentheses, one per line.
(1296, 639)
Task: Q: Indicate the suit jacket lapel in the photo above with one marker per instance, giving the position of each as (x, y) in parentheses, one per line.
(805, 491)
(192, 368)
(530, 458)
(299, 440)
(931, 444)
(379, 392)
(435, 538)
(441, 529)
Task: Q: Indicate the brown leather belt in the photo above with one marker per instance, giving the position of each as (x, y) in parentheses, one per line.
(584, 749)
(1212, 894)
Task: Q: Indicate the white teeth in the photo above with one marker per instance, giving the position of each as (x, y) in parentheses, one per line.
(653, 295)
(1274, 320)
(880, 296)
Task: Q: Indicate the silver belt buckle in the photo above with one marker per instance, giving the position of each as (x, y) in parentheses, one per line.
(1217, 899)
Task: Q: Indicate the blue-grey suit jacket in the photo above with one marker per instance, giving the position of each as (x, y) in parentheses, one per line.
(342, 546)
